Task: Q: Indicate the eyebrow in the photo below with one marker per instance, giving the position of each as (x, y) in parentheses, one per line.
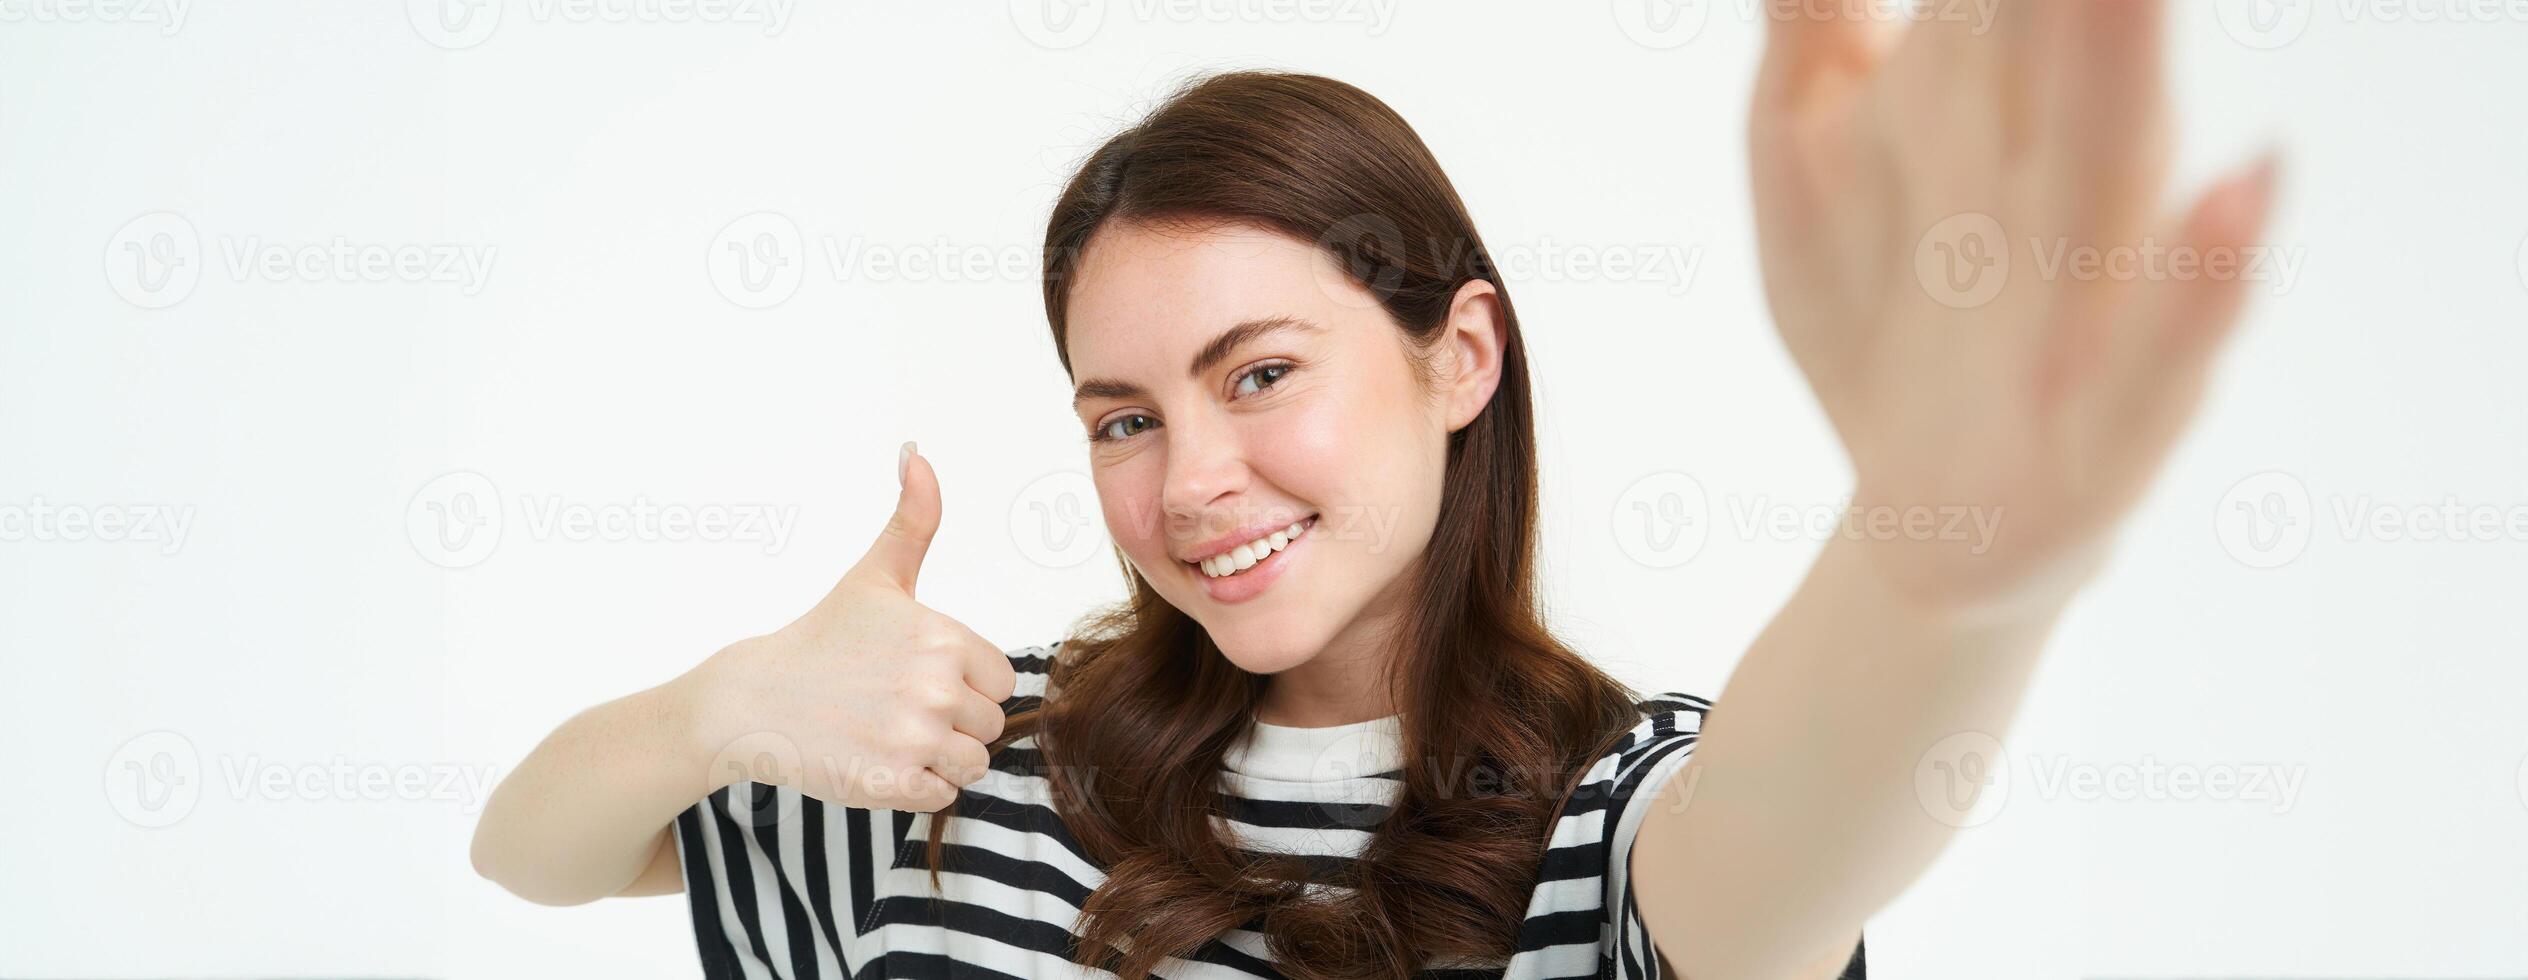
(1212, 354)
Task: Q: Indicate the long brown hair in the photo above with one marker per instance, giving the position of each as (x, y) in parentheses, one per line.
(1499, 717)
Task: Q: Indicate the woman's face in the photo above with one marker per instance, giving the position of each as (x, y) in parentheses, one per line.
(1234, 382)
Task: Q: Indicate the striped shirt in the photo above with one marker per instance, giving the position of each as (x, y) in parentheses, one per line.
(789, 887)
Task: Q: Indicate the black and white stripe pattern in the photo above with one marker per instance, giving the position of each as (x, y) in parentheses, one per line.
(784, 887)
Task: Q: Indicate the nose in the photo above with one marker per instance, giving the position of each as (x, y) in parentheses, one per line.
(1206, 464)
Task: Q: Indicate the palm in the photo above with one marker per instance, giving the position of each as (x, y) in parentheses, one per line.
(1914, 190)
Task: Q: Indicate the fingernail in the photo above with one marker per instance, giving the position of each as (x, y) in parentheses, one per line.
(903, 461)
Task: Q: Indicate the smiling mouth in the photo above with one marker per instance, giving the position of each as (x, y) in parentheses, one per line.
(1230, 563)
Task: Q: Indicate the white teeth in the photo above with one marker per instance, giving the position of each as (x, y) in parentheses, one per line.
(1245, 556)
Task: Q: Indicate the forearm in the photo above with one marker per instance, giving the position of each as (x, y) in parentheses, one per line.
(1799, 817)
(579, 818)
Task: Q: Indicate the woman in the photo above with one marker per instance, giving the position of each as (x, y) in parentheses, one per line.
(1328, 734)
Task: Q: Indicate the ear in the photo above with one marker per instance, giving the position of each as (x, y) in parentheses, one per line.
(1472, 350)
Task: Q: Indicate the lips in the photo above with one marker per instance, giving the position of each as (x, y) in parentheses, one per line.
(1228, 541)
(1245, 583)
(1234, 556)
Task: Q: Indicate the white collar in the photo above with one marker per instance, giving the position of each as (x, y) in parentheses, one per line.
(1316, 755)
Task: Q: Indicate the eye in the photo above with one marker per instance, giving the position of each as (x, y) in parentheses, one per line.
(1262, 376)
(1129, 426)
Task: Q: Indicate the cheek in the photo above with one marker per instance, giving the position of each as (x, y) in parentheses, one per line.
(1364, 461)
(1128, 497)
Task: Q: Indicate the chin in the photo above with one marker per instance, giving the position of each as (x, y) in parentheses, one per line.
(1264, 648)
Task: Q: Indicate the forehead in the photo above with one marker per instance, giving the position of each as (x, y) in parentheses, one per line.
(1154, 292)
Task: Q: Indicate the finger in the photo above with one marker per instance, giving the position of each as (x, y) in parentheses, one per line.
(1810, 43)
(2106, 121)
(896, 557)
(988, 668)
(1949, 36)
(2035, 37)
(2161, 355)
(1946, 77)
(978, 717)
(926, 791)
(961, 761)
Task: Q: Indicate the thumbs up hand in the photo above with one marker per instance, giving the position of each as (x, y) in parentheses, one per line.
(871, 699)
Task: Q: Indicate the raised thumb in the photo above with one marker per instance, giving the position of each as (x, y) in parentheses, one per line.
(896, 558)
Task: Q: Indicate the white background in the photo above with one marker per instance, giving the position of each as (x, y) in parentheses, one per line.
(304, 617)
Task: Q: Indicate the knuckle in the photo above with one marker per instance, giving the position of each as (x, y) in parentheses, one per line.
(910, 739)
(928, 793)
(942, 643)
(967, 762)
